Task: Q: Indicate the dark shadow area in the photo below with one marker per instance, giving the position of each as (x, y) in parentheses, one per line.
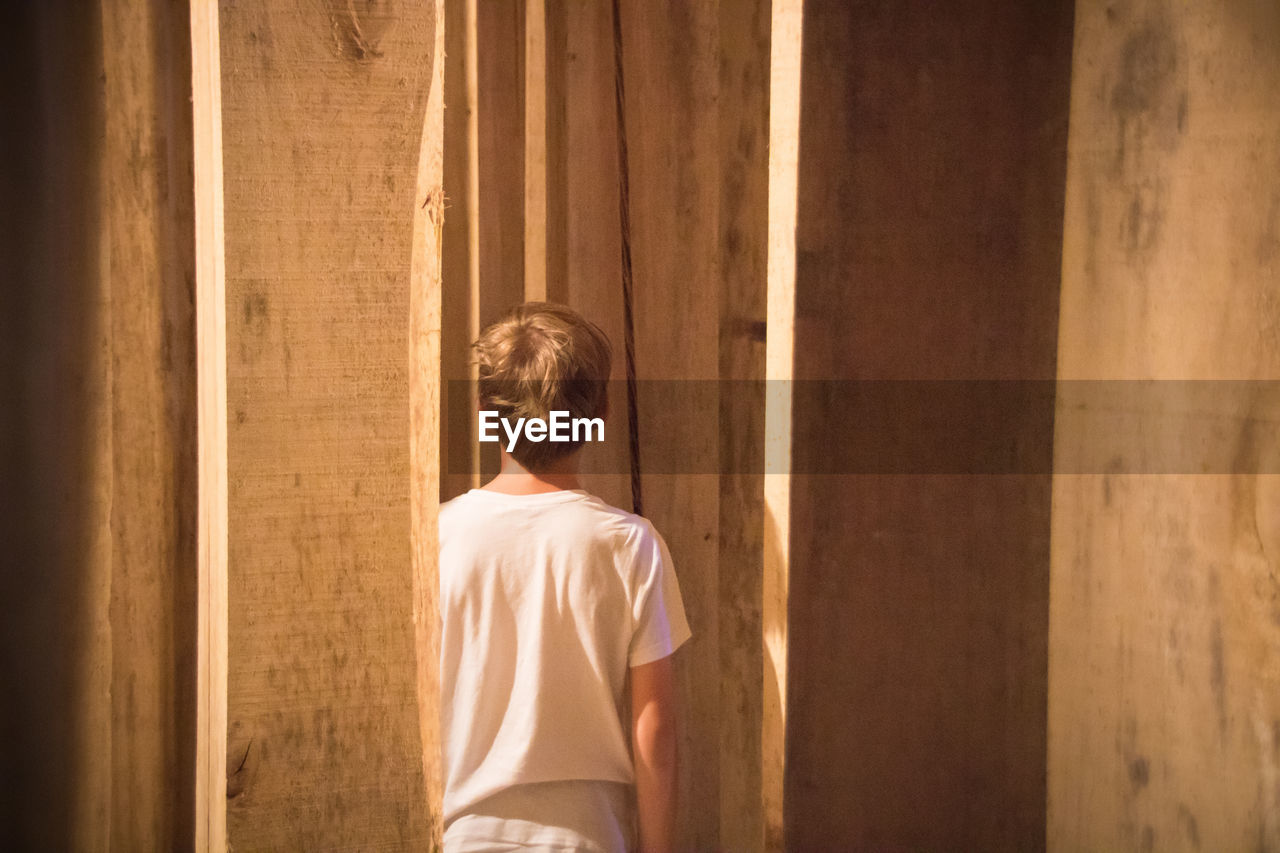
(51, 322)
(99, 436)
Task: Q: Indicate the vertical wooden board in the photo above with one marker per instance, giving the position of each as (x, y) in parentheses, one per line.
(928, 241)
(500, 168)
(556, 151)
(500, 76)
(743, 147)
(535, 149)
(210, 834)
(673, 136)
(1164, 716)
(672, 82)
(323, 111)
(55, 720)
(150, 278)
(425, 327)
(593, 270)
(785, 50)
(460, 267)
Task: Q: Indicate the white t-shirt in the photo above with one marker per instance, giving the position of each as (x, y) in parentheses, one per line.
(545, 601)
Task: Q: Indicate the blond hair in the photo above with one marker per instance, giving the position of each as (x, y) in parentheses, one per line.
(539, 358)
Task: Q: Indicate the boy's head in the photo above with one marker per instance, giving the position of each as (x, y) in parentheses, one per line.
(539, 358)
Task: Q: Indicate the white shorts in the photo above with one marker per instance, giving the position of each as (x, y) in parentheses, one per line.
(579, 814)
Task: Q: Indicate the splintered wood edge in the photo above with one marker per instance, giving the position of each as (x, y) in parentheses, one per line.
(424, 441)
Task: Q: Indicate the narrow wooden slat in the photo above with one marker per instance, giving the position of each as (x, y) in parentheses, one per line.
(501, 154)
(460, 249)
(501, 141)
(425, 376)
(148, 277)
(784, 150)
(742, 108)
(556, 185)
(211, 361)
(589, 206)
(535, 150)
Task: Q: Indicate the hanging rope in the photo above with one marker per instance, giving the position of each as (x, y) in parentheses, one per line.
(624, 213)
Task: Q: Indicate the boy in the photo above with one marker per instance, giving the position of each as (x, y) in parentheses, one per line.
(549, 599)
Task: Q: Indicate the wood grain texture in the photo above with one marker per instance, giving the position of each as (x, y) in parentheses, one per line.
(151, 281)
(99, 445)
(210, 829)
(460, 269)
(1164, 688)
(556, 149)
(742, 109)
(425, 326)
(672, 81)
(500, 145)
(535, 149)
(323, 116)
(593, 269)
(697, 171)
(500, 67)
(785, 55)
(928, 240)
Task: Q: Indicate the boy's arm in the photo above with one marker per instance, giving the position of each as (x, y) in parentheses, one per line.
(653, 739)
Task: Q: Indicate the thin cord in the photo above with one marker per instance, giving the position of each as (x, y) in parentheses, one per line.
(624, 213)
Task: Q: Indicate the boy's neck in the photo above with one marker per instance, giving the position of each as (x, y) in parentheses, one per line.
(514, 479)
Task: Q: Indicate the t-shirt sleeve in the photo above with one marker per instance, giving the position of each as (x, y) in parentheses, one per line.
(657, 609)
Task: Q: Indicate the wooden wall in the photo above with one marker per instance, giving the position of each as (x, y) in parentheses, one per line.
(323, 135)
(99, 434)
(1164, 690)
(1086, 661)
(928, 244)
(697, 88)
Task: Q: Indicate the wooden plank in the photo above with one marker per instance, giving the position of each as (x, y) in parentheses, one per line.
(928, 240)
(425, 327)
(210, 829)
(593, 269)
(1164, 689)
(323, 116)
(784, 152)
(556, 188)
(742, 105)
(671, 63)
(672, 81)
(535, 150)
(697, 119)
(149, 277)
(500, 67)
(460, 249)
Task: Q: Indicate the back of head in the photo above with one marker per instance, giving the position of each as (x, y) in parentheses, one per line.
(539, 358)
